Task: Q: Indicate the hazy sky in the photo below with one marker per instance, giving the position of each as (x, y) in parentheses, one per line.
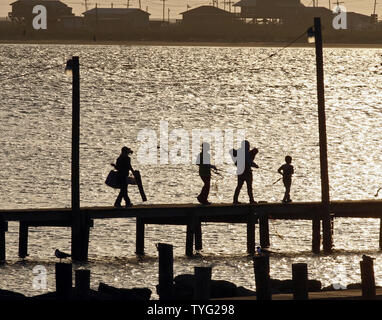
(178, 6)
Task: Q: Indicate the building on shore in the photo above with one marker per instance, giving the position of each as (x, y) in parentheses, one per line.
(22, 12)
(207, 16)
(116, 19)
(294, 13)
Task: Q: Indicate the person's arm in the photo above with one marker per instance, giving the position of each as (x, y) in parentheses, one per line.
(253, 164)
(130, 166)
(280, 170)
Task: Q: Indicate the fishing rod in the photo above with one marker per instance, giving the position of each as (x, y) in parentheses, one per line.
(376, 195)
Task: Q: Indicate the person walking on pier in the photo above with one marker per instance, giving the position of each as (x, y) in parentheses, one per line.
(244, 160)
(204, 162)
(123, 166)
(287, 170)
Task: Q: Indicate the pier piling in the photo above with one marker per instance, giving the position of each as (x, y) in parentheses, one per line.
(63, 280)
(3, 229)
(190, 236)
(166, 271)
(316, 235)
(264, 231)
(380, 234)
(262, 277)
(198, 236)
(202, 288)
(367, 278)
(82, 282)
(300, 281)
(251, 242)
(140, 237)
(23, 239)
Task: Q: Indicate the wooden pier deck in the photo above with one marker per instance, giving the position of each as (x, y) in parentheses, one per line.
(191, 215)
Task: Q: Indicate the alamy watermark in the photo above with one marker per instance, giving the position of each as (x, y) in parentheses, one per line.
(40, 278)
(40, 21)
(180, 146)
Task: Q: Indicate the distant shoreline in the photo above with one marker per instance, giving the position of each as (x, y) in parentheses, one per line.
(190, 43)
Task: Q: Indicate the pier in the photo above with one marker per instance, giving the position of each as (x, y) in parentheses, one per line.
(190, 215)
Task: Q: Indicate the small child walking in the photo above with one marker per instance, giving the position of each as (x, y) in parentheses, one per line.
(286, 170)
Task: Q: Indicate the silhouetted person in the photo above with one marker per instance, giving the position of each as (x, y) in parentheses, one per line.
(123, 167)
(286, 170)
(244, 163)
(205, 166)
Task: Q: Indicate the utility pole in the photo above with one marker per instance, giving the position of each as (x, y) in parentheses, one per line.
(325, 196)
(140, 6)
(164, 5)
(128, 4)
(168, 15)
(375, 6)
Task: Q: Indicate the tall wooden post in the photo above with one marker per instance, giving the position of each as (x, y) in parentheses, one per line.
(325, 198)
(80, 227)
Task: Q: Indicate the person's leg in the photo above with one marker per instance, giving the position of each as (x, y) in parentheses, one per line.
(249, 180)
(125, 196)
(240, 181)
(117, 202)
(287, 191)
(206, 188)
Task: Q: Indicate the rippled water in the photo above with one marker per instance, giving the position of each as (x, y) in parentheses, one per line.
(128, 88)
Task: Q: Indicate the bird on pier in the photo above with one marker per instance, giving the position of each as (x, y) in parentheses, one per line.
(262, 251)
(61, 255)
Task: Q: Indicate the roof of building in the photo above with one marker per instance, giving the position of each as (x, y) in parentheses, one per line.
(207, 10)
(281, 3)
(120, 11)
(44, 2)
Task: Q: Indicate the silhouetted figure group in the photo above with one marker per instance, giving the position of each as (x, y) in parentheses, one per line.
(243, 159)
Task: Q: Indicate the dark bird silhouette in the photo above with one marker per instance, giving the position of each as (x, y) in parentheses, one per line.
(262, 251)
(61, 255)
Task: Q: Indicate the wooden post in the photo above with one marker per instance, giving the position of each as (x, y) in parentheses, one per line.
(198, 235)
(251, 242)
(325, 197)
(380, 234)
(3, 229)
(190, 236)
(264, 231)
(140, 237)
(202, 289)
(316, 235)
(82, 282)
(166, 271)
(80, 237)
(300, 281)
(262, 277)
(63, 280)
(23, 239)
(79, 226)
(367, 278)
